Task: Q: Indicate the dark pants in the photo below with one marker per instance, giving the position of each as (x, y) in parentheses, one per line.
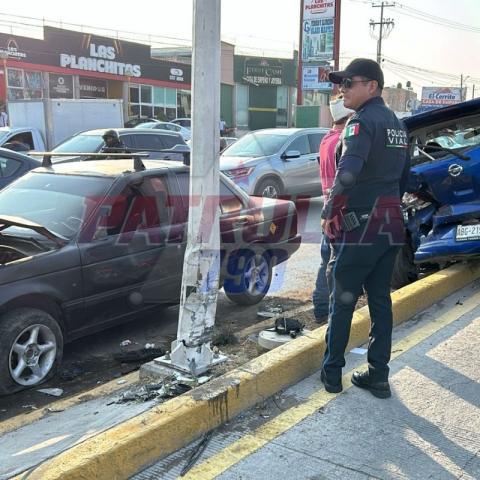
(355, 267)
(321, 294)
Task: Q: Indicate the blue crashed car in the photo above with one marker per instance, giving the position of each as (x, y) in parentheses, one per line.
(442, 206)
(13, 165)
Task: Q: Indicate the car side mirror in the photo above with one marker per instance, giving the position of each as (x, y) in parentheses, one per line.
(290, 154)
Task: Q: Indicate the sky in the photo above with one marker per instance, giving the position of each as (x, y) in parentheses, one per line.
(271, 27)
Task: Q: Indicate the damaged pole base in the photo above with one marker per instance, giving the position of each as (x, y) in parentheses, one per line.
(191, 360)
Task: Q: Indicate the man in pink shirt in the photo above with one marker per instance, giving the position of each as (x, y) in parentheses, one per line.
(340, 115)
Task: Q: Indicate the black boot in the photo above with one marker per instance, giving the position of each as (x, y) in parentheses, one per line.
(378, 389)
(331, 387)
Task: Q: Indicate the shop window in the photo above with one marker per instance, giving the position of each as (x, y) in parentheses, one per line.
(146, 111)
(241, 107)
(170, 97)
(134, 110)
(184, 103)
(24, 84)
(134, 94)
(15, 84)
(158, 95)
(159, 113)
(145, 94)
(171, 113)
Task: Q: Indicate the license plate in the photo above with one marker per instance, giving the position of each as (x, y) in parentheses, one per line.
(467, 232)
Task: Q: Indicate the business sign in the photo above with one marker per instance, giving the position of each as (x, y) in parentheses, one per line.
(86, 52)
(318, 40)
(314, 9)
(92, 88)
(60, 86)
(441, 96)
(316, 78)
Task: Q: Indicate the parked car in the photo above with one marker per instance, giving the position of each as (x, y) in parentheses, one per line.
(442, 208)
(168, 126)
(135, 139)
(88, 245)
(184, 122)
(13, 165)
(133, 122)
(276, 161)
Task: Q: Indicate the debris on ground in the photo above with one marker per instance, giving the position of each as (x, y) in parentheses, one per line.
(125, 343)
(170, 387)
(31, 407)
(149, 345)
(140, 355)
(54, 410)
(121, 382)
(54, 392)
(197, 452)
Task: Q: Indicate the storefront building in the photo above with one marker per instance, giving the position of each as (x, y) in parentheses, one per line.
(265, 90)
(75, 65)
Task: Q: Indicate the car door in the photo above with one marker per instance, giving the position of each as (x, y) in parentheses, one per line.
(128, 253)
(301, 174)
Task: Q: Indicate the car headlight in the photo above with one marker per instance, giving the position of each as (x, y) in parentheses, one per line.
(239, 172)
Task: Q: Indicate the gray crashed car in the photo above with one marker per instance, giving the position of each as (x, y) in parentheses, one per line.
(276, 161)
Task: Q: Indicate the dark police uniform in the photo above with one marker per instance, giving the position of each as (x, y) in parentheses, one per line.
(365, 249)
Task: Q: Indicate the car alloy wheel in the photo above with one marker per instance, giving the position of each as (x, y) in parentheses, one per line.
(32, 355)
(256, 275)
(269, 191)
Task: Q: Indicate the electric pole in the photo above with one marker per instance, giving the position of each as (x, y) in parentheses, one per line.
(388, 23)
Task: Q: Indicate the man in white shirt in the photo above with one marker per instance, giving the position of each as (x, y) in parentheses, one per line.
(3, 117)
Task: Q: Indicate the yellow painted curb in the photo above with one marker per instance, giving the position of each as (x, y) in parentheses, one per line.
(125, 449)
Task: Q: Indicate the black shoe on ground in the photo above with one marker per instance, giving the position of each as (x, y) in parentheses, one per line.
(378, 389)
(330, 387)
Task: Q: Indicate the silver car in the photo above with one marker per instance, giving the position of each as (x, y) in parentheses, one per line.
(276, 161)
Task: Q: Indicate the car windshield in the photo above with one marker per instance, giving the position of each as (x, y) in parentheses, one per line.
(256, 145)
(60, 203)
(80, 143)
(464, 132)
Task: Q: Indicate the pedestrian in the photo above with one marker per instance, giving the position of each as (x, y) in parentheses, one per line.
(113, 144)
(340, 115)
(3, 117)
(222, 125)
(364, 221)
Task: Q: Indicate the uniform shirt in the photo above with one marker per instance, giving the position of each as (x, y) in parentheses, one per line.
(327, 158)
(374, 164)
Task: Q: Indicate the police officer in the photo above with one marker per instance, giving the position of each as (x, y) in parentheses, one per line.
(113, 144)
(363, 219)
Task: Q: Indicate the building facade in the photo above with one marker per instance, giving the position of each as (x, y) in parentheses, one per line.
(256, 92)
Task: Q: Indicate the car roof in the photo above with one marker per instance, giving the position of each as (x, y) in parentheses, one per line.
(134, 131)
(445, 114)
(290, 131)
(111, 168)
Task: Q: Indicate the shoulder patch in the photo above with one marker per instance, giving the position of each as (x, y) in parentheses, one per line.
(396, 138)
(352, 130)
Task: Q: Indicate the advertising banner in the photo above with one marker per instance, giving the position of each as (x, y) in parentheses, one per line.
(440, 96)
(60, 86)
(316, 78)
(314, 9)
(92, 88)
(318, 40)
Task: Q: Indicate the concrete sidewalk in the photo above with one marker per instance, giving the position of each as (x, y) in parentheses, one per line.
(430, 428)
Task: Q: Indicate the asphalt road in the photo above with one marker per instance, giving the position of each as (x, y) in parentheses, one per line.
(89, 361)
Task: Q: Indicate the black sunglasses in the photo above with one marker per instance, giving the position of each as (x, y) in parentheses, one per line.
(348, 82)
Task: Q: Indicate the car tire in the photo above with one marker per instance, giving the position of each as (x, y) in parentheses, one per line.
(404, 270)
(269, 187)
(249, 276)
(31, 338)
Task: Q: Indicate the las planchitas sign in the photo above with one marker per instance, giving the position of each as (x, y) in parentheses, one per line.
(314, 9)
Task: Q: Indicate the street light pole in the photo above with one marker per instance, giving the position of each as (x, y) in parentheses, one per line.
(191, 352)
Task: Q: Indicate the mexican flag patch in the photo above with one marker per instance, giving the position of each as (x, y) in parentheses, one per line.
(352, 130)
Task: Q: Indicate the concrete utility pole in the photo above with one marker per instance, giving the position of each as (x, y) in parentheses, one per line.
(388, 23)
(463, 81)
(191, 350)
